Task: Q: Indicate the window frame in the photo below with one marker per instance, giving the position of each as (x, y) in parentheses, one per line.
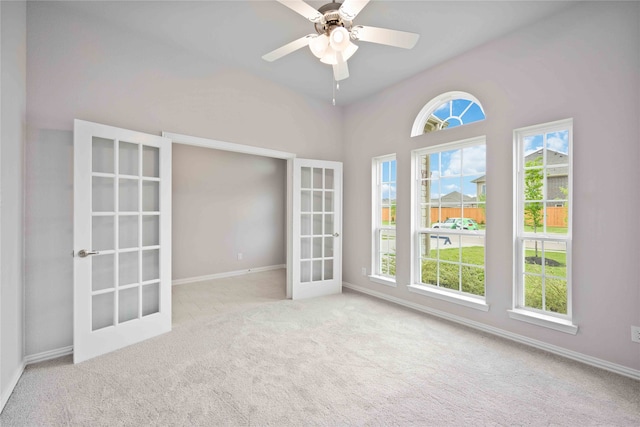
(416, 286)
(377, 227)
(546, 318)
(431, 106)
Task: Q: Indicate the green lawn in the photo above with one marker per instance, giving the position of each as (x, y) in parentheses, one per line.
(556, 230)
(473, 277)
(555, 287)
(466, 278)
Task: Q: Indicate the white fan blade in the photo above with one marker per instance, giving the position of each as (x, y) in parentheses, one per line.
(303, 9)
(350, 9)
(289, 47)
(385, 36)
(340, 69)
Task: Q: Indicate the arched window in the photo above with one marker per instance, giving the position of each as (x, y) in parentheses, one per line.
(448, 110)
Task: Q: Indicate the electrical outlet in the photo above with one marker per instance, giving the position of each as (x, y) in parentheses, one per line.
(635, 334)
(239, 256)
(364, 271)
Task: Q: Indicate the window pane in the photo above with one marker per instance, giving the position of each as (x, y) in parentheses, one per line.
(451, 163)
(317, 177)
(305, 177)
(151, 161)
(473, 280)
(128, 264)
(472, 250)
(102, 194)
(558, 142)
(556, 295)
(533, 217)
(449, 276)
(328, 179)
(128, 232)
(150, 299)
(532, 144)
(128, 304)
(128, 163)
(474, 160)
(459, 106)
(102, 233)
(102, 153)
(102, 307)
(150, 230)
(533, 291)
(128, 197)
(557, 217)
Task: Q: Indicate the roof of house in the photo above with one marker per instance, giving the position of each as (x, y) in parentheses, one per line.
(553, 158)
(454, 197)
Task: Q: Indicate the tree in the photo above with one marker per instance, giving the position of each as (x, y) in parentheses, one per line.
(533, 184)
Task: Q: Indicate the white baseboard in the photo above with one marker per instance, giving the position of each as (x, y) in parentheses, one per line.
(48, 355)
(573, 355)
(6, 393)
(226, 274)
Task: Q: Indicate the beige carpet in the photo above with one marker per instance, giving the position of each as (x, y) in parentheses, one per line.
(340, 360)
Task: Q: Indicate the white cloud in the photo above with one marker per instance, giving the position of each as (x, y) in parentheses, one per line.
(559, 142)
(442, 107)
(473, 161)
(451, 187)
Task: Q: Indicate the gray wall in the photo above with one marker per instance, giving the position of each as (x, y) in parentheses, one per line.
(79, 67)
(226, 203)
(583, 63)
(13, 83)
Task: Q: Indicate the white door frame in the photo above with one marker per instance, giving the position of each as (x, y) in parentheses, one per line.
(177, 138)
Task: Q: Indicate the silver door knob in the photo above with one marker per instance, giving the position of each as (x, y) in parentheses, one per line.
(85, 253)
(336, 234)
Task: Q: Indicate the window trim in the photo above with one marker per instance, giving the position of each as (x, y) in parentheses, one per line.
(557, 321)
(376, 220)
(456, 297)
(424, 114)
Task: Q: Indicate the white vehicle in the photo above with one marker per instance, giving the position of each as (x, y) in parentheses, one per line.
(457, 224)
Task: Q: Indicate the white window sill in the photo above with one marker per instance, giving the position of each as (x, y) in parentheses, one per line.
(543, 320)
(387, 281)
(467, 301)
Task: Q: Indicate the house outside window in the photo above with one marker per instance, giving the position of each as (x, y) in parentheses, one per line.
(543, 179)
(449, 222)
(384, 172)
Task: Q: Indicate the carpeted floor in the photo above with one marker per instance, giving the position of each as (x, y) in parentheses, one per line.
(340, 360)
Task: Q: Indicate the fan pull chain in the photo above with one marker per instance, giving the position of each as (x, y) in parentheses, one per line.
(333, 87)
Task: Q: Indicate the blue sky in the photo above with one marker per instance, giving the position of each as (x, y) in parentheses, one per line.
(389, 174)
(459, 111)
(557, 141)
(454, 170)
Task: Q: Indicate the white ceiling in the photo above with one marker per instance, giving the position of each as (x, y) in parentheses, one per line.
(238, 33)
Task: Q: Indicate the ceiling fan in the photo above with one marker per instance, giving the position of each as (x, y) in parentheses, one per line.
(332, 43)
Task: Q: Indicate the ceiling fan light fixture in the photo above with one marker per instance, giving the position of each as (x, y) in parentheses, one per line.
(339, 39)
(329, 57)
(319, 45)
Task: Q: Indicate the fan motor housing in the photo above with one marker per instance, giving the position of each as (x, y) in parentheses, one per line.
(331, 19)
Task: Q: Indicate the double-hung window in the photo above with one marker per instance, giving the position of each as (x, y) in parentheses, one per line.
(449, 196)
(543, 180)
(384, 220)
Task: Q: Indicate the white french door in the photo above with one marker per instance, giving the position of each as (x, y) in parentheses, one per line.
(121, 238)
(317, 228)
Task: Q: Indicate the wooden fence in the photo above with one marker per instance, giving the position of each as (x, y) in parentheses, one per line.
(556, 216)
